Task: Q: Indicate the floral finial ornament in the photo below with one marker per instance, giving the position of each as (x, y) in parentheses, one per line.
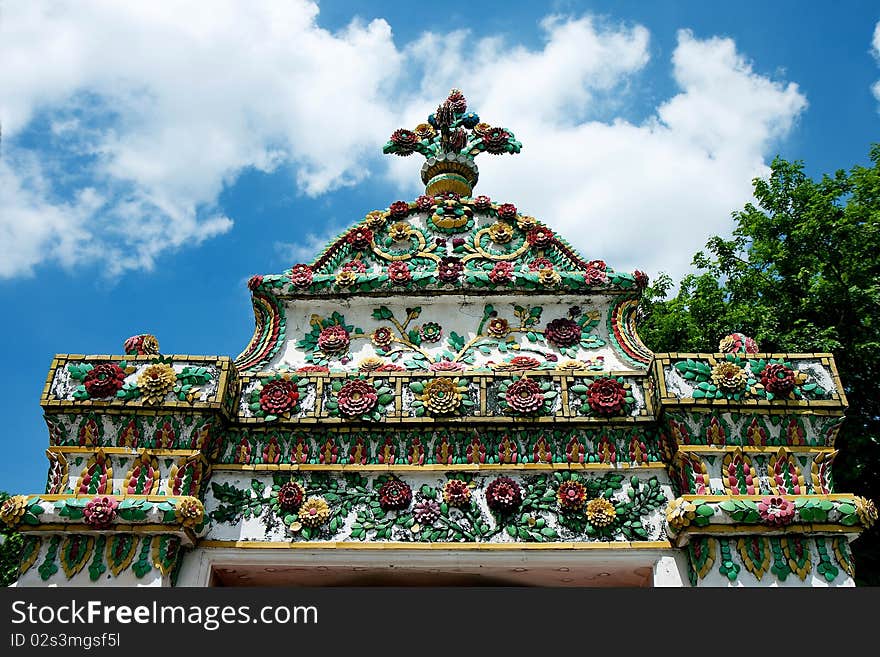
(189, 511)
(776, 510)
(314, 512)
(456, 493)
(737, 343)
(503, 495)
(729, 377)
(13, 510)
(395, 494)
(600, 512)
(680, 513)
(450, 140)
(100, 512)
(155, 382)
(141, 345)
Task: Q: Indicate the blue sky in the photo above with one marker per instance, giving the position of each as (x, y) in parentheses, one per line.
(155, 157)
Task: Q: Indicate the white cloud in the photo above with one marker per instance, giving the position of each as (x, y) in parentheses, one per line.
(189, 95)
(875, 50)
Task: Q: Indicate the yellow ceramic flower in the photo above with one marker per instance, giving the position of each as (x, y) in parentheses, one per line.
(572, 365)
(399, 231)
(600, 512)
(375, 219)
(549, 277)
(729, 377)
(190, 511)
(526, 223)
(482, 128)
(155, 382)
(346, 277)
(13, 510)
(425, 131)
(867, 511)
(370, 364)
(679, 513)
(314, 512)
(442, 395)
(500, 233)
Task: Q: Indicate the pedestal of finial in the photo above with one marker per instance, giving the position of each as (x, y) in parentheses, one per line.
(450, 173)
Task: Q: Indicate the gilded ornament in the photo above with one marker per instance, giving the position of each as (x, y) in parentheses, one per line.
(189, 511)
(13, 510)
(155, 382)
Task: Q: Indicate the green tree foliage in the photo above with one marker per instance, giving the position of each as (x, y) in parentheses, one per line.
(801, 273)
(10, 550)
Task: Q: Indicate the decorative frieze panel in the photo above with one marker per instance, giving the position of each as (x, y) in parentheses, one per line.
(122, 471)
(88, 383)
(720, 428)
(790, 560)
(307, 397)
(567, 446)
(465, 506)
(753, 470)
(122, 559)
(805, 381)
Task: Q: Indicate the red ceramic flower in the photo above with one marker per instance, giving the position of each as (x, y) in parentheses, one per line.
(503, 495)
(595, 276)
(445, 366)
(776, 510)
(391, 367)
(540, 237)
(738, 343)
(456, 493)
(306, 369)
(301, 275)
(424, 203)
(598, 264)
(382, 337)
(518, 363)
(104, 380)
(426, 512)
(540, 263)
(563, 332)
(279, 396)
(398, 209)
(457, 101)
(482, 202)
(395, 494)
(571, 495)
(254, 282)
(399, 273)
(641, 279)
(506, 211)
(502, 272)
(495, 140)
(405, 140)
(357, 397)
(333, 340)
(449, 269)
(498, 327)
(606, 396)
(360, 238)
(524, 396)
(141, 345)
(356, 266)
(778, 379)
(291, 496)
(100, 512)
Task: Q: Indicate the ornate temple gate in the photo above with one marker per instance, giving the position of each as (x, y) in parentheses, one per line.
(447, 394)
